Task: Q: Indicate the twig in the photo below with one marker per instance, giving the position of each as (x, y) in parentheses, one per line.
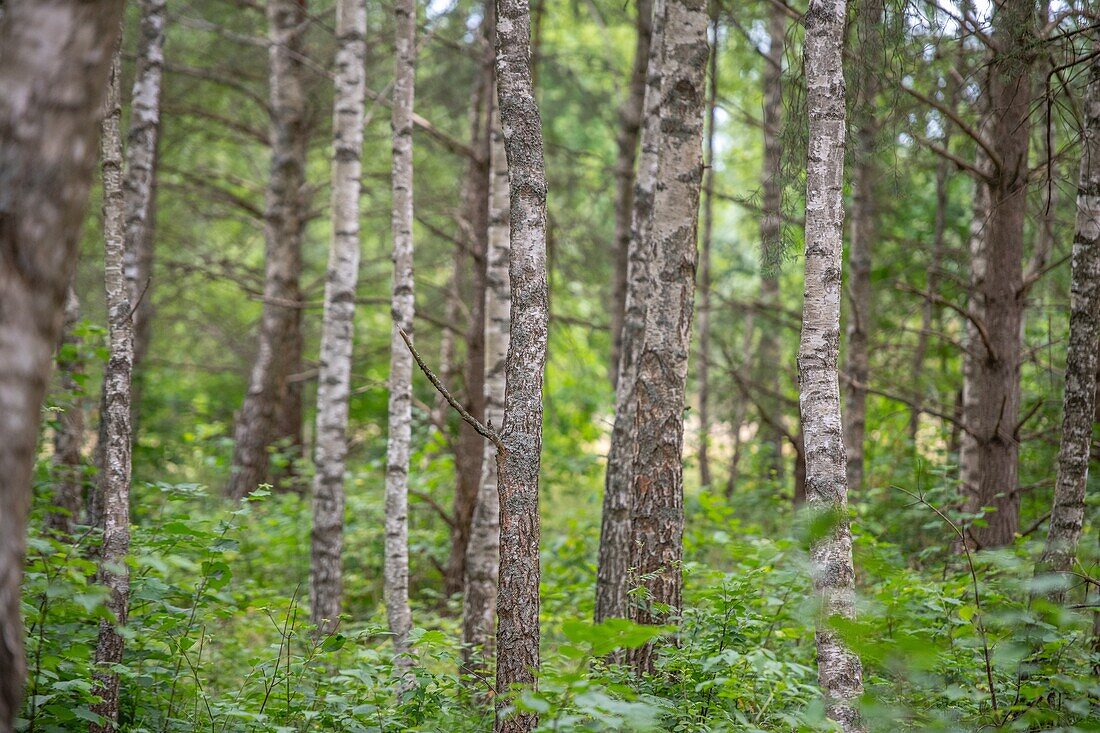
(473, 422)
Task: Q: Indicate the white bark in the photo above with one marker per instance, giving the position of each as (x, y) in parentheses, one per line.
(839, 670)
(337, 330)
(396, 571)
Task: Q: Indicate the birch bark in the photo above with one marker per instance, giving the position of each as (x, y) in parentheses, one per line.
(839, 670)
(54, 60)
(396, 570)
(338, 327)
(1079, 402)
(519, 458)
(657, 481)
(268, 411)
(114, 481)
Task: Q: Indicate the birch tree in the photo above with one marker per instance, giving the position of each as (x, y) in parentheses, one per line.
(519, 453)
(1079, 402)
(657, 481)
(396, 584)
(269, 411)
(54, 60)
(114, 480)
(483, 553)
(337, 329)
(839, 670)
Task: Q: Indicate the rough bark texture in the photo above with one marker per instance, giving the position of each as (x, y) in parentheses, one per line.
(771, 237)
(657, 505)
(839, 670)
(396, 570)
(54, 57)
(68, 464)
(114, 479)
(614, 552)
(864, 231)
(141, 162)
(1079, 404)
(483, 552)
(519, 458)
(630, 127)
(702, 369)
(273, 403)
(338, 329)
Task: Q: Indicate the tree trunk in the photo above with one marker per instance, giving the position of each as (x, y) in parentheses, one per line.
(839, 670)
(114, 480)
(771, 235)
(630, 126)
(396, 572)
(68, 473)
(865, 182)
(1079, 405)
(141, 164)
(614, 552)
(519, 457)
(657, 506)
(1002, 293)
(968, 443)
(54, 59)
(703, 366)
(338, 328)
(272, 405)
(483, 553)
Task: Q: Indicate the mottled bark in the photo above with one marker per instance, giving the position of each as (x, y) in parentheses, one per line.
(968, 444)
(519, 457)
(614, 551)
(139, 185)
(839, 670)
(338, 328)
(396, 570)
(1079, 402)
(54, 57)
(702, 369)
(997, 379)
(114, 478)
(483, 552)
(272, 406)
(657, 505)
(864, 231)
(630, 126)
(68, 463)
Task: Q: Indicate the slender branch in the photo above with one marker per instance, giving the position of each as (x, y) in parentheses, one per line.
(959, 122)
(427, 499)
(936, 298)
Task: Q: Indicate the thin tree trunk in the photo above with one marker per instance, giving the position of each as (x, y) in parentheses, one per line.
(657, 506)
(771, 233)
(630, 125)
(114, 481)
(483, 553)
(272, 404)
(337, 329)
(998, 370)
(703, 368)
(68, 463)
(141, 164)
(968, 443)
(519, 456)
(1079, 405)
(865, 182)
(54, 60)
(614, 551)
(396, 572)
(839, 670)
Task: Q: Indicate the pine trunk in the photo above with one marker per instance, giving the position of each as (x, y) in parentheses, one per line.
(519, 458)
(1068, 513)
(338, 328)
(272, 406)
(114, 480)
(657, 506)
(839, 670)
